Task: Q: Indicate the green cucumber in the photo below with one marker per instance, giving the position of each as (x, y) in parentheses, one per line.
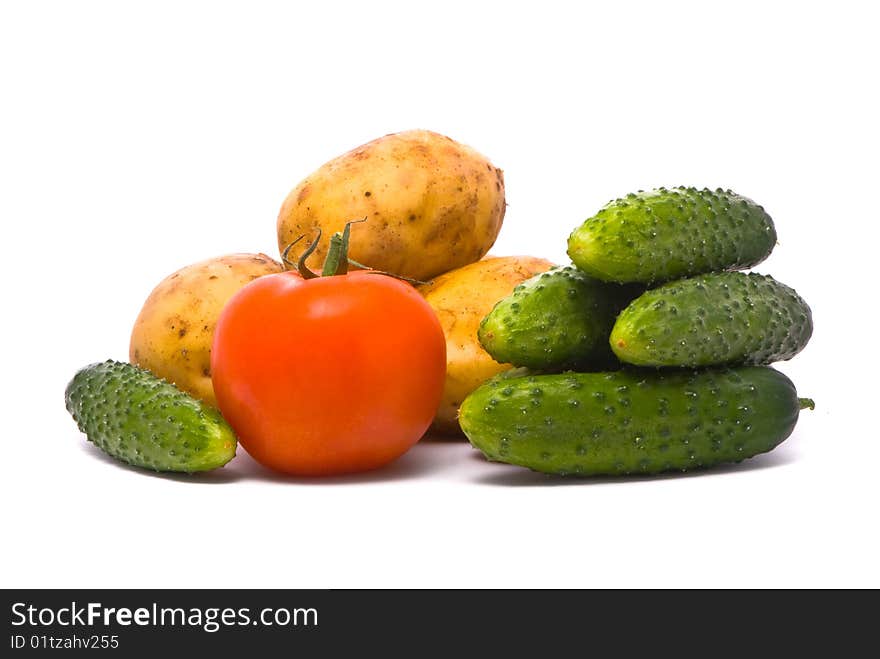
(137, 418)
(631, 421)
(559, 318)
(670, 233)
(715, 319)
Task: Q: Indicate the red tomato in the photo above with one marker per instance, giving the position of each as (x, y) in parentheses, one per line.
(331, 375)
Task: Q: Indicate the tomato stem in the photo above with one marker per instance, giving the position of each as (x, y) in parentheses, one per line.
(369, 270)
(286, 251)
(336, 262)
(301, 266)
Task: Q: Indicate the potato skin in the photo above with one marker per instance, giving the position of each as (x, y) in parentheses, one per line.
(461, 299)
(431, 204)
(173, 333)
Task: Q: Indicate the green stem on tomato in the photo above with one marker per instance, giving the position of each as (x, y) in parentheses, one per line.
(369, 270)
(301, 266)
(336, 262)
(286, 251)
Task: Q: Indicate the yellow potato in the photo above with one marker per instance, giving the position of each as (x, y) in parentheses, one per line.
(431, 205)
(173, 332)
(461, 299)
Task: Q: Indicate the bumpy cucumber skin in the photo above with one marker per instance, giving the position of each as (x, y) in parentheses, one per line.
(715, 319)
(559, 318)
(665, 234)
(632, 421)
(144, 421)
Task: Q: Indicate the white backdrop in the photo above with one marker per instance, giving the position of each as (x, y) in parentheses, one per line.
(136, 138)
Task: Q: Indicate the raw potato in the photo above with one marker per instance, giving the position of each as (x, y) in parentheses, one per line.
(431, 205)
(173, 332)
(461, 299)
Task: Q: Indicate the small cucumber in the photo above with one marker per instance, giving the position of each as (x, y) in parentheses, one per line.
(140, 419)
(710, 320)
(631, 421)
(670, 233)
(559, 318)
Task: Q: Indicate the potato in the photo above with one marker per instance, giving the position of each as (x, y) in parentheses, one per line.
(431, 205)
(461, 299)
(173, 332)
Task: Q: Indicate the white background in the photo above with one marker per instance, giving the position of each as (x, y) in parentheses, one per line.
(139, 137)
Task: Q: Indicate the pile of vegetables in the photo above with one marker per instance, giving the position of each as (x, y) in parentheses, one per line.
(690, 386)
(337, 356)
(383, 319)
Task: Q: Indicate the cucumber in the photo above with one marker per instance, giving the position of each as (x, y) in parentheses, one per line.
(670, 233)
(722, 318)
(137, 418)
(559, 318)
(631, 421)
